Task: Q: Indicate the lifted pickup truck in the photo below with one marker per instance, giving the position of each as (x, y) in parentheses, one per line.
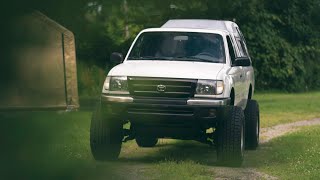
(189, 80)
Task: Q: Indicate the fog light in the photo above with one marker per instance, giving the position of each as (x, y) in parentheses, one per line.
(210, 130)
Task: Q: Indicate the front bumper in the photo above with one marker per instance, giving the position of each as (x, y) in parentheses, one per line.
(190, 102)
(165, 117)
(164, 110)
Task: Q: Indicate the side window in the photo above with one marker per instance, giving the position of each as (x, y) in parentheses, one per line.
(241, 48)
(243, 43)
(231, 50)
(241, 35)
(244, 47)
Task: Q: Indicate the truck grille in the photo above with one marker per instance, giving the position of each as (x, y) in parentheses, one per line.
(162, 87)
(161, 111)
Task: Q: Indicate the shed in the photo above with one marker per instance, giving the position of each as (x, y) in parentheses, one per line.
(38, 71)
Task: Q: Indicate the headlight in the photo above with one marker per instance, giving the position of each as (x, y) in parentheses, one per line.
(116, 85)
(209, 87)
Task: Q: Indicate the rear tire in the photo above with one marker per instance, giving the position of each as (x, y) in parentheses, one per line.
(146, 142)
(252, 124)
(106, 134)
(230, 142)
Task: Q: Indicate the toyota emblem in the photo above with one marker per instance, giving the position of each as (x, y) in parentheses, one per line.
(161, 88)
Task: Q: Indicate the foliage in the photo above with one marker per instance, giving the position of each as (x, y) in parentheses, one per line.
(90, 79)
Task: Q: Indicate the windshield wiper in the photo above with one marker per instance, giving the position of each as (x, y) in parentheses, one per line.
(186, 58)
(192, 58)
(207, 60)
(149, 58)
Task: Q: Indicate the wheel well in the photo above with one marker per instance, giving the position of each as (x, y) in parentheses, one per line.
(232, 97)
(250, 92)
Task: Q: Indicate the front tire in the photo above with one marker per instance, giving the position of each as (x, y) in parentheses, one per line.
(252, 116)
(106, 135)
(230, 131)
(146, 141)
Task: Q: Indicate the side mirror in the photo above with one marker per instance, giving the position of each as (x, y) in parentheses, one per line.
(242, 61)
(116, 58)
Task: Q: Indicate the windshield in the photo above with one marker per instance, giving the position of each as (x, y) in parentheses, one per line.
(179, 46)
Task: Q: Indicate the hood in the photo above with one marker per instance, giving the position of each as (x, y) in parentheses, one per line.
(168, 69)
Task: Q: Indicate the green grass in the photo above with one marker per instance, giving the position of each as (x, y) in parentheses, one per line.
(45, 145)
(55, 145)
(51, 145)
(180, 170)
(293, 156)
(279, 108)
(172, 159)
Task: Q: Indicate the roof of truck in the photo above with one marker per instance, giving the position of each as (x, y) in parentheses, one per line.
(202, 24)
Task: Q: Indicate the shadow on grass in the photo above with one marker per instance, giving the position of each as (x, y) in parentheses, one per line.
(46, 145)
(173, 150)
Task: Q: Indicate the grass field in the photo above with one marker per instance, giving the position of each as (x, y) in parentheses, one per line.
(293, 156)
(279, 108)
(44, 145)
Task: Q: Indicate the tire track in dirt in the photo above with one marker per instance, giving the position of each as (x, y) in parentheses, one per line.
(270, 133)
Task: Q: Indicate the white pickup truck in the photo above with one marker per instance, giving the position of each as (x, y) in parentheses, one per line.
(189, 80)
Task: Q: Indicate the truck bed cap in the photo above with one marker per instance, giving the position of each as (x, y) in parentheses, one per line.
(200, 24)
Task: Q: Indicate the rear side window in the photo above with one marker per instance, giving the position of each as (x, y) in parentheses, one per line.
(243, 43)
(241, 47)
(231, 50)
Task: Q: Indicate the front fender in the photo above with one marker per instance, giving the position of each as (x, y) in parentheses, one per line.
(228, 81)
(229, 85)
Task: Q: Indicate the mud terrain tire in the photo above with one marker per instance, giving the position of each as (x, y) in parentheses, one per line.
(252, 124)
(230, 147)
(106, 134)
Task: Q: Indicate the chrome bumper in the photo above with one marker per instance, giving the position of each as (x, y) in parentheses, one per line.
(119, 99)
(190, 102)
(208, 102)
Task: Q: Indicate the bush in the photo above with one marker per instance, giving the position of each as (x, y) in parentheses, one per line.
(90, 79)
